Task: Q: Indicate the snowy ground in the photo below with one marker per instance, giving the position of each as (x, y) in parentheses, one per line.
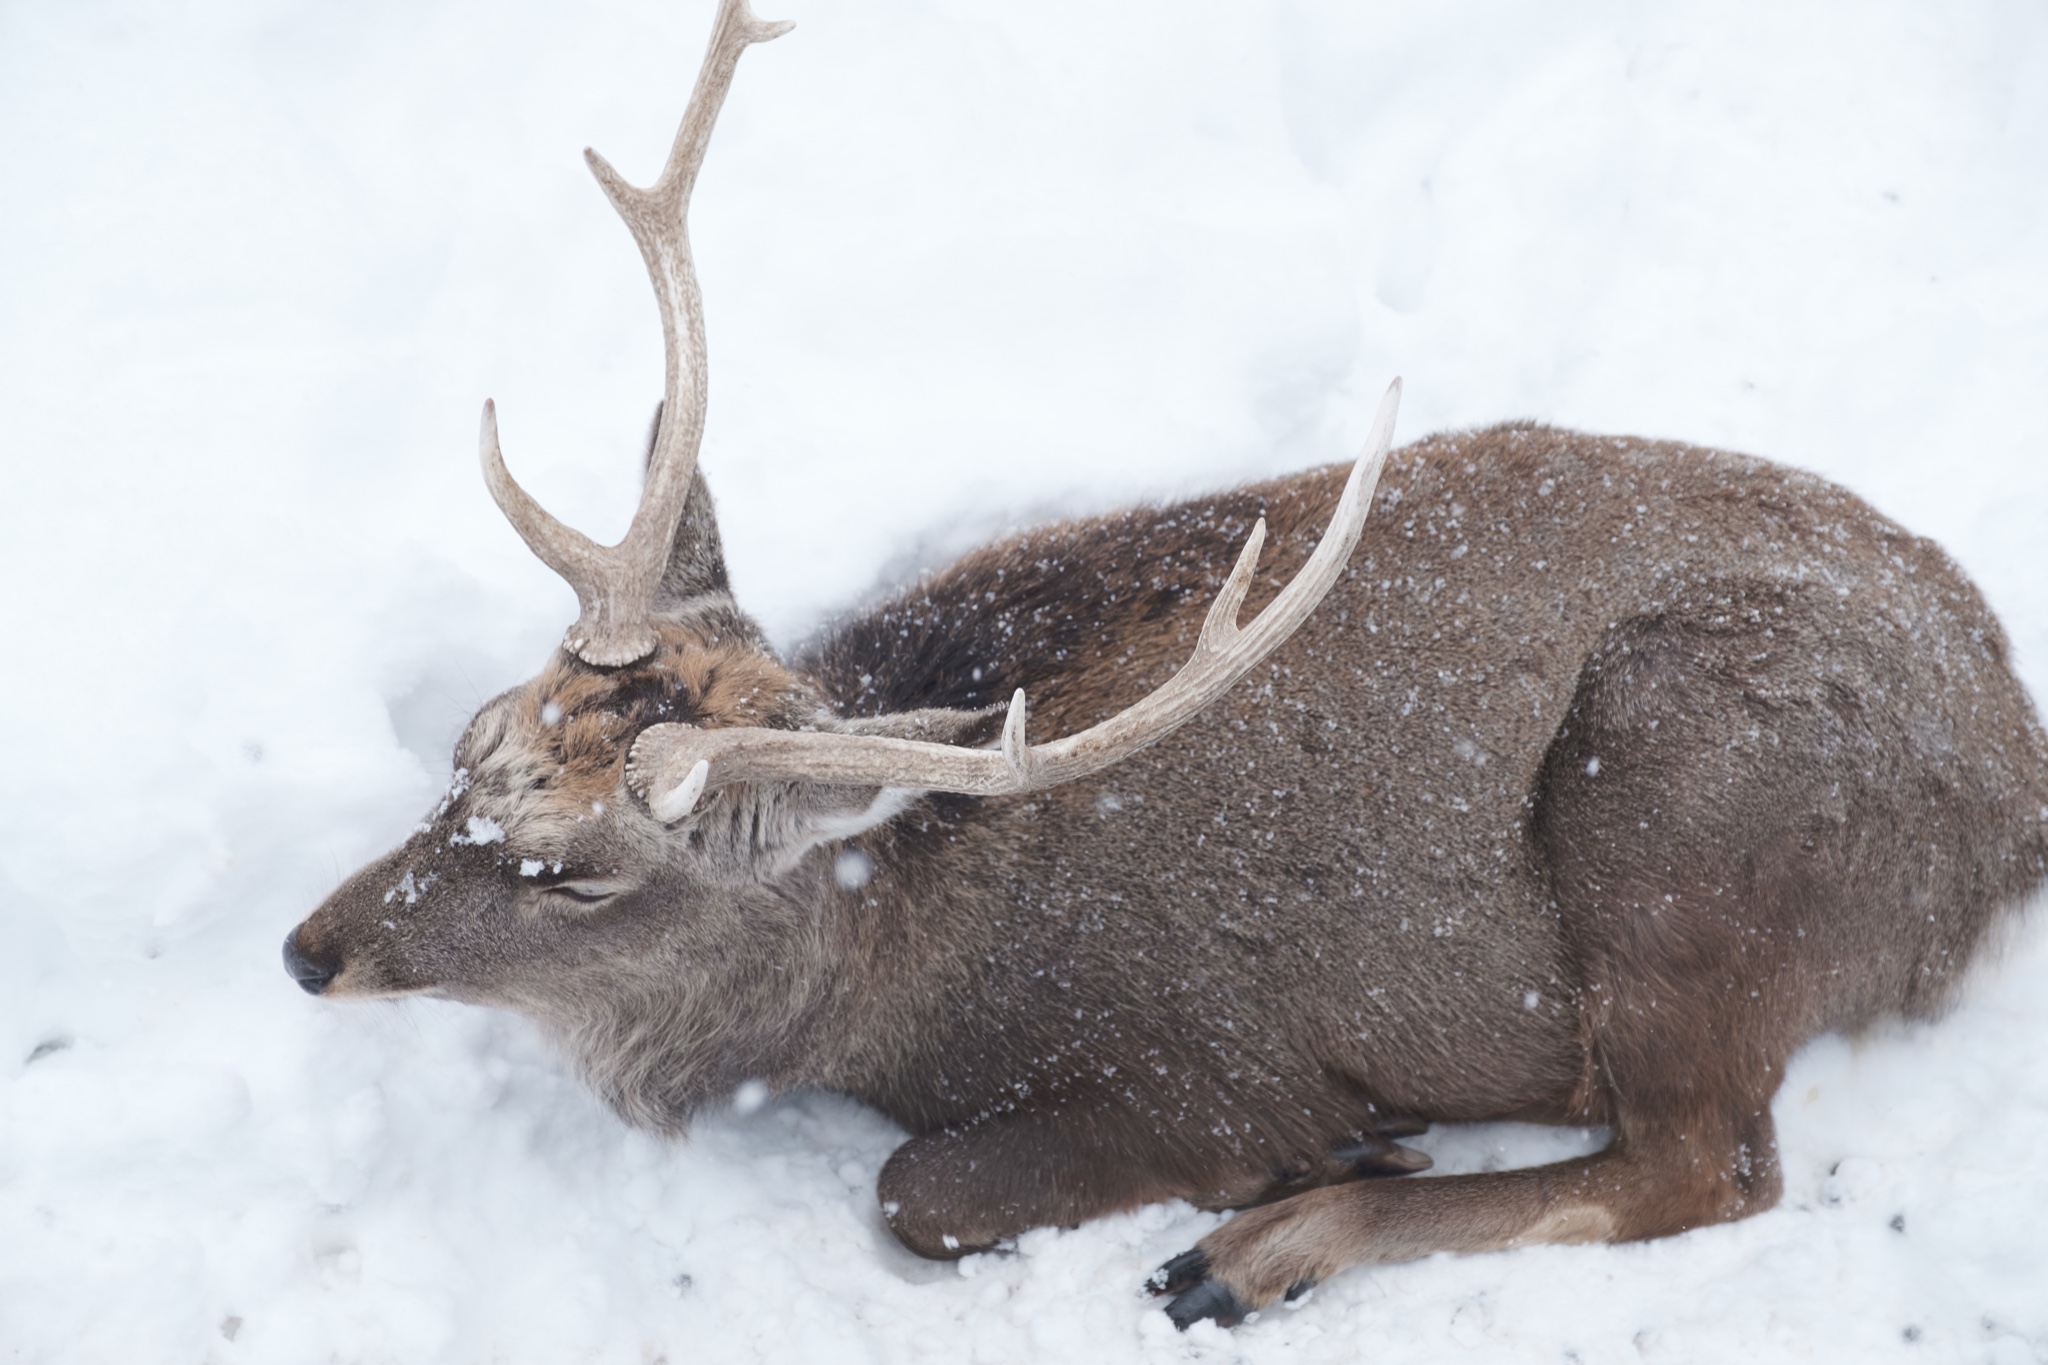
(967, 265)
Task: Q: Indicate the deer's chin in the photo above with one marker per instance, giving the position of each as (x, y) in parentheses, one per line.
(362, 982)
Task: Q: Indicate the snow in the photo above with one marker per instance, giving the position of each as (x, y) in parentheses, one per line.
(966, 266)
(479, 829)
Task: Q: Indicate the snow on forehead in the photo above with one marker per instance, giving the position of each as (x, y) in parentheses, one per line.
(528, 792)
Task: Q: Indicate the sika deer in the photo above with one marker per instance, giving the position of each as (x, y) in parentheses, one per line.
(1581, 784)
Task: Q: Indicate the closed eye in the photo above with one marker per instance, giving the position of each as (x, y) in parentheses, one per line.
(563, 887)
(583, 893)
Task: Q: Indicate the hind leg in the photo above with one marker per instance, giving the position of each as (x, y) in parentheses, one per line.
(1683, 818)
(1664, 1174)
(1694, 1145)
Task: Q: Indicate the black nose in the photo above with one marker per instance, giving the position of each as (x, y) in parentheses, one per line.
(311, 976)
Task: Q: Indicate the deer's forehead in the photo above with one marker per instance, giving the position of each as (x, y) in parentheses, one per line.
(550, 755)
(516, 791)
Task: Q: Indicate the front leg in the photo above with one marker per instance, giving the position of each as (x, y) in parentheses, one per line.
(955, 1191)
(960, 1190)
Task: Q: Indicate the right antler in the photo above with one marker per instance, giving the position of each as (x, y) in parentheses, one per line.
(615, 585)
(672, 765)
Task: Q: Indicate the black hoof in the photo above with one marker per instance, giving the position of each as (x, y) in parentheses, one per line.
(1299, 1288)
(1184, 1271)
(1209, 1299)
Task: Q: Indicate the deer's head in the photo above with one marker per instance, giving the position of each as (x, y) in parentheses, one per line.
(640, 815)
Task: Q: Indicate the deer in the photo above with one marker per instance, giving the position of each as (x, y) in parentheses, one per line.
(1567, 779)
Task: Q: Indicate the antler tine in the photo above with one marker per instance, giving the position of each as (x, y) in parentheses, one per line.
(1017, 755)
(615, 586)
(672, 765)
(564, 549)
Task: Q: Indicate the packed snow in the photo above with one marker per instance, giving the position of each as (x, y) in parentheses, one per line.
(967, 266)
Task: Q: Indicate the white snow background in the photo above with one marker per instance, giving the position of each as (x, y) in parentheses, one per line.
(967, 266)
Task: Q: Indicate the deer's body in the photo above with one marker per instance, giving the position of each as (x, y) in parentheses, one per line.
(1605, 773)
(1355, 882)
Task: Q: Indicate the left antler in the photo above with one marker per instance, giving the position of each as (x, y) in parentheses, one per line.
(673, 765)
(615, 585)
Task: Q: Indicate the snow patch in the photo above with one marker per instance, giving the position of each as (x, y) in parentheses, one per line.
(479, 829)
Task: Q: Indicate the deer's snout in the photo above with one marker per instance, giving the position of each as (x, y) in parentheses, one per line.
(312, 975)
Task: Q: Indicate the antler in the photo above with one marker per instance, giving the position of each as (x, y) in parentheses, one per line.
(615, 585)
(673, 765)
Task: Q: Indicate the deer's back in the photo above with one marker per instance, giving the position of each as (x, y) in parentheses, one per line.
(1325, 886)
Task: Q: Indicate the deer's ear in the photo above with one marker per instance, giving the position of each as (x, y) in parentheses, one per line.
(696, 558)
(829, 812)
(758, 831)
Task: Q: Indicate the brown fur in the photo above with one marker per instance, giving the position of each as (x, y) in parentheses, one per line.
(1611, 772)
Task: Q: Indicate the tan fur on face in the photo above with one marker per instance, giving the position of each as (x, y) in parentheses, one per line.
(548, 755)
